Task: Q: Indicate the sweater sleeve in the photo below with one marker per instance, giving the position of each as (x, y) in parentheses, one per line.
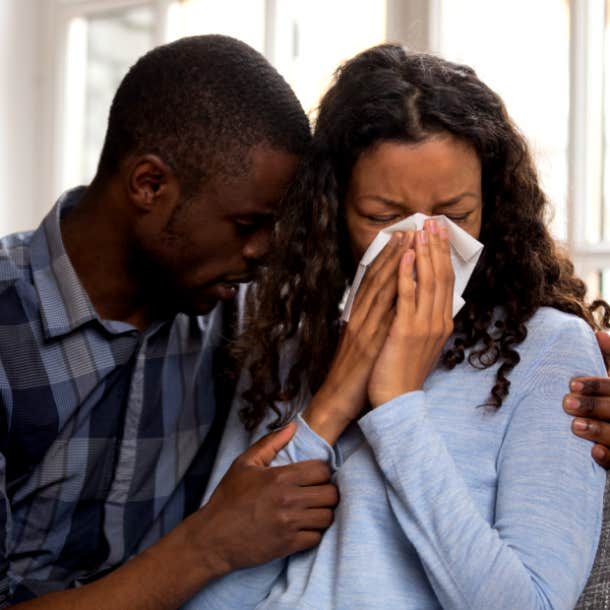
(539, 549)
(244, 589)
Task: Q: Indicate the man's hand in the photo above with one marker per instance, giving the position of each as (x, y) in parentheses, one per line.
(589, 402)
(258, 513)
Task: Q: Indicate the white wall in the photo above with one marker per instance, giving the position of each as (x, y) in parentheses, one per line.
(20, 110)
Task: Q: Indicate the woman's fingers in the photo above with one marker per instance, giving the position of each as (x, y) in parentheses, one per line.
(437, 313)
(385, 297)
(425, 285)
(405, 307)
(380, 284)
(376, 277)
(430, 310)
(449, 274)
(440, 256)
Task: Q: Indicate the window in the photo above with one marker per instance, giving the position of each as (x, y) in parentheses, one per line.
(549, 60)
(531, 77)
(104, 38)
(556, 87)
(589, 162)
(101, 48)
(310, 39)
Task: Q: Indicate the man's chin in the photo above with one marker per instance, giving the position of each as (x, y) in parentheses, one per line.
(201, 307)
(204, 301)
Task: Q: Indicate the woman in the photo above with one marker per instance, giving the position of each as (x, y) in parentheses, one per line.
(461, 485)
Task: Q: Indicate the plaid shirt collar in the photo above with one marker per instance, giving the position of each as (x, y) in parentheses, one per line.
(64, 303)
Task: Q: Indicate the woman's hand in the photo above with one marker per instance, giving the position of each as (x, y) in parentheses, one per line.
(343, 394)
(423, 320)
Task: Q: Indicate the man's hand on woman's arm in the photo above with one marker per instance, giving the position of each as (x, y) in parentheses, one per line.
(256, 514)
(589, 402)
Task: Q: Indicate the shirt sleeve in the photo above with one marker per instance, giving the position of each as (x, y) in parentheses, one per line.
(539, 549)
(5, 511)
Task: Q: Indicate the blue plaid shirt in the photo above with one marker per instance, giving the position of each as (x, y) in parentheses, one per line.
(107, 433)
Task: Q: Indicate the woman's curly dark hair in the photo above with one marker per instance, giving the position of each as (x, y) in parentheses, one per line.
(389, 94)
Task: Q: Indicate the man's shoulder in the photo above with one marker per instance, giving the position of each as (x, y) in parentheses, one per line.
(14, 257)
(18, 297)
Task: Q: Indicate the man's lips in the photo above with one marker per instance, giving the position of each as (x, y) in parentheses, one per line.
(228, 287)
(241, 279)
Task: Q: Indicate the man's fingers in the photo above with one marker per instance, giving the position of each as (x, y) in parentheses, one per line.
(591, 386)
(592, 430)
(318, 496)
(601, 455)
(315, 519)
(265, 449)
(310, 472)
(597, 407)
(306, 539)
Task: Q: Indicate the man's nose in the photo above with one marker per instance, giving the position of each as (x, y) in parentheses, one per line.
(257, 246)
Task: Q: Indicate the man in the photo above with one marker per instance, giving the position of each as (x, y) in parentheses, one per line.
(108, 410)
(589, 403)
(108, 341)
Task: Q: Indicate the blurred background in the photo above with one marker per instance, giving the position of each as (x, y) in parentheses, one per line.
(61, 61)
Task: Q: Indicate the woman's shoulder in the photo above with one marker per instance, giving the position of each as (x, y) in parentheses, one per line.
(548, 325)
(560, 340)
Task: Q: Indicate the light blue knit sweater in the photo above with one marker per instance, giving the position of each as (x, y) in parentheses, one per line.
(445, 503)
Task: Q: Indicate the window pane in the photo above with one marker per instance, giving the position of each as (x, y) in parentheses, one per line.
(309, 43)
(598, 284)
(604, 212)
(243, 19)
(604, 291)
(502, 41)
(101, 48)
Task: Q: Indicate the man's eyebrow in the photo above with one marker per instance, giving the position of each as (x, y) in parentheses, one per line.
(258, 215)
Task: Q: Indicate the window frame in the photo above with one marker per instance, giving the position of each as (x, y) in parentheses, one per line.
(57, 16)
(586, 136)
(416, 24)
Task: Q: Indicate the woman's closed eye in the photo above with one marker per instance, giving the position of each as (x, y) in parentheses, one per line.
(383, 219)
(459, 218)
(388, 218)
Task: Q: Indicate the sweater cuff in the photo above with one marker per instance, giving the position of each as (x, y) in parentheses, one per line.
(389, 422)
(307, 445)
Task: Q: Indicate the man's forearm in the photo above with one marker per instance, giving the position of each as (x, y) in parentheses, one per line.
(256, 514)
(161, 578)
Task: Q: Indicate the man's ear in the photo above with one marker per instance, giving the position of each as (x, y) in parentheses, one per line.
(149, 180)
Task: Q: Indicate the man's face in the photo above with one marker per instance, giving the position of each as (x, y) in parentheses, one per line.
(214, 241)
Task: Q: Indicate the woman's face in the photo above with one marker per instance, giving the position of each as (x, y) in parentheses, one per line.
(392, 180)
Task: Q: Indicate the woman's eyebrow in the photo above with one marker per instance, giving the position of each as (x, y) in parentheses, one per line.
(385, 200)
(403, 204)
(456, 199)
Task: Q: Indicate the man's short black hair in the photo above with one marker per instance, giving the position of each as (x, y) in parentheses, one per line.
(201, 103)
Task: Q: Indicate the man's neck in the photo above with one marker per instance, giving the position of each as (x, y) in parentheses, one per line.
(97, 238)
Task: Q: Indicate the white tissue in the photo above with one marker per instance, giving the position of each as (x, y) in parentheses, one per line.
(465, 252)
